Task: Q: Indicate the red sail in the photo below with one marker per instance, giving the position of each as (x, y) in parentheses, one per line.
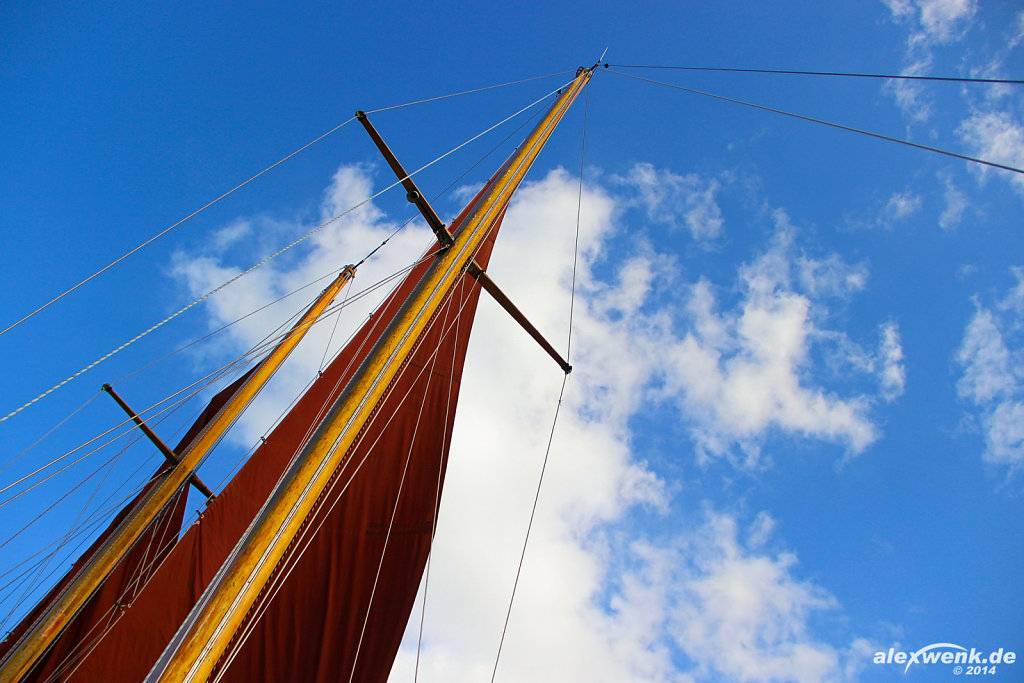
(309, 624)
(124, 583)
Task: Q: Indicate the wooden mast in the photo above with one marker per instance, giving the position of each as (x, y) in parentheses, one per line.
(48, 627)
(204, 637)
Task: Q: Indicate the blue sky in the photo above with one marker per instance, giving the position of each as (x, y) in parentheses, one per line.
(793, 436)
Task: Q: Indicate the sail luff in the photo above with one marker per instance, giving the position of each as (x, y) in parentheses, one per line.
(199, 644)
(52, 622)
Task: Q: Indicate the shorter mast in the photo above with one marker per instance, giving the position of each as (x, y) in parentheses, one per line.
(48, 627)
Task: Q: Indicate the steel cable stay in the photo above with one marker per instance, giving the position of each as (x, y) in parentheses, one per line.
(50, 431)
(251, 179)
(468, 92)
(843, 74)
(96, 518)
(267, 259)
(561, 394)
(830, 124)
(31, 584)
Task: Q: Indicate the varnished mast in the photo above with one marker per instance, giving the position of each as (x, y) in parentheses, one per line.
(204, 637)
(48, 627)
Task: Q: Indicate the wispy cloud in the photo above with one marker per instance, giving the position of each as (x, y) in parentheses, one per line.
(892, 375)
(899, 207)
(679, 201)
(996, 136)
(993, 379)
(744, 614)
(739, 374)
(955, 204)
(931, 23)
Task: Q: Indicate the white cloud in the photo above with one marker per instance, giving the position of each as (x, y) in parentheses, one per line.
(679, 201)
(996, 136)
(931, 22)
(892, 374)
(744, 615)
(739, 374)
(956, 205)
(946, 20)
(1018, 31)
(939, 21)
(993, 379)
(910, 95)
(901, 205)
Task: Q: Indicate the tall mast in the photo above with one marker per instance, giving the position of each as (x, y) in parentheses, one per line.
(48, 627)
(204, 637)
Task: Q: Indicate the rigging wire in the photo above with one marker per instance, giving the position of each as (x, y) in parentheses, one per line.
(529, 526)
(50, 431)
(467, 92)
(561, 394)
(33, 583)
(907, 77)
(275, 254)
(334, 329)
(879, 136)
(171, 227)
(246, 182)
